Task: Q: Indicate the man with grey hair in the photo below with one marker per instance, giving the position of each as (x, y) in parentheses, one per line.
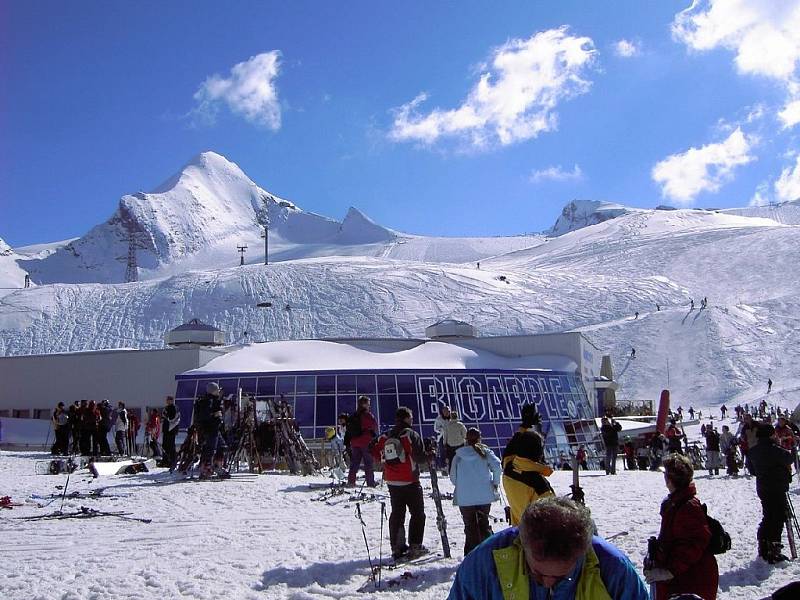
(553, 555)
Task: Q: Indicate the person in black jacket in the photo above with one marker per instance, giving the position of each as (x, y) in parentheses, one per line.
(772, 466)
(103, 427)
(208, 421)
(610, 429)
(171, 419)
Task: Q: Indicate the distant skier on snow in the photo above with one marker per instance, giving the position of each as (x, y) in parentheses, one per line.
(769, 385)
(633, 352)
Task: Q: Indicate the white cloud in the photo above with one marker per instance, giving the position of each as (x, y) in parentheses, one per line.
(764, 34)
(556, 174)
(249, 91)
(761, 196)
(683, 176)
(790, 115)
(515, 97)
(627, 48)
(787, 187)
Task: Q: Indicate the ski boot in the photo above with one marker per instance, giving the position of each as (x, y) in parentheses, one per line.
(416, 551)
(205, 472)
(221, 473)
(775, 555)
(400, 554)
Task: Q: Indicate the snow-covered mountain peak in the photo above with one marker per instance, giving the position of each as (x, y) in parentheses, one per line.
(205, 167)
(358, 228)
(582, 213)
(5, 249)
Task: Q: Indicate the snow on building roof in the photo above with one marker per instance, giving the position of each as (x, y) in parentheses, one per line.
(319, 355)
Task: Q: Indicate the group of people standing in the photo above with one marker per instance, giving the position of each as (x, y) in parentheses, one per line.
(83, 428)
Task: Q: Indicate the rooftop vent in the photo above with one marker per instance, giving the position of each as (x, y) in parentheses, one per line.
(450, 328)
(196, 333)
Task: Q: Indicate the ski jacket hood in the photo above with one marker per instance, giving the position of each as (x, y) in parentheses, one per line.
(476, 478)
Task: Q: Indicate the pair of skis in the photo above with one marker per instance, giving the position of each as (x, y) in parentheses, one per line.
(441, 521)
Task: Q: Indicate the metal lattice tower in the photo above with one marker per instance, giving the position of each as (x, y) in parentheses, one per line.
(131, 268)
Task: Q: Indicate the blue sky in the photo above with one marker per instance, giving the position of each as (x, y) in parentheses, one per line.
(380, 106)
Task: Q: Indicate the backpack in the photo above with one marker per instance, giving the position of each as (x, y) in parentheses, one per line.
(720, 541)
(354, 425)
(393, 451)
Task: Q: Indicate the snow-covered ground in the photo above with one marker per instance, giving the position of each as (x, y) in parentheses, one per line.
(266, 537)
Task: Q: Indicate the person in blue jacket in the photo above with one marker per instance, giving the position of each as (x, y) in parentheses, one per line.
(552, 555)
(476, 473)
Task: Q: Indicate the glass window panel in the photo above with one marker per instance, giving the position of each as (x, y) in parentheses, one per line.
(307, 432)
(406, 384)
(410, 401)
(427, 431)
(186, 388)
(386, 383)
(266, 386)
(304, 410)
(326, 410)
(248, 385)
(285, 386)
(229, 386)
(365, 384)
(306, 384)
(346, 384)
(326, 384)
(387, 406)
(346, 403)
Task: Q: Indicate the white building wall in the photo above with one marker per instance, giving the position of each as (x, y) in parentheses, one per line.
(136, 377)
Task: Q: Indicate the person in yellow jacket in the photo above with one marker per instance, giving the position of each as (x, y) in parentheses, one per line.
(524, 472)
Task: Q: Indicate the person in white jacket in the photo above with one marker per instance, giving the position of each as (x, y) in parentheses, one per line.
(454, 435)
(476, 473)
(438, 427)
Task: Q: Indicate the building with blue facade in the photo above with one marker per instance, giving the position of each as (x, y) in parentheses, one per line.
(486, 380)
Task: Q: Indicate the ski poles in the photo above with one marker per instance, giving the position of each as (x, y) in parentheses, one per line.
(380, 551)
(364, 533)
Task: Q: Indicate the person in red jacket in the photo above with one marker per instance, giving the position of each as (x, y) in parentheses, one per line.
(681, 562)
(362, 429)
(152, 430)
(402, 451)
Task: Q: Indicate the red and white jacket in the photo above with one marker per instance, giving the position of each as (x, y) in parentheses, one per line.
(407, 471)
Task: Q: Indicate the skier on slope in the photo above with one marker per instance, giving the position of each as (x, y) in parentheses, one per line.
(402, 452)
(208, 421)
